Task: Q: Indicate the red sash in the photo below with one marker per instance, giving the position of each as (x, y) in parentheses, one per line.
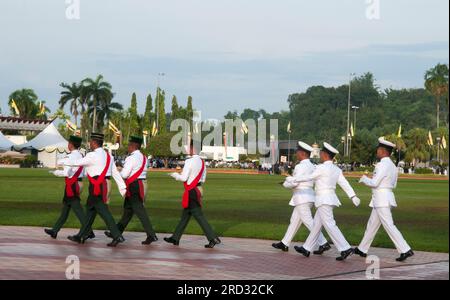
(193, 185)
(71, 181)
(134, 177)
(100, 182)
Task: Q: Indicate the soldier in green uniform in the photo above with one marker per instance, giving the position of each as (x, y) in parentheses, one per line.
(193, 176)
(73, 179)
(134, 172)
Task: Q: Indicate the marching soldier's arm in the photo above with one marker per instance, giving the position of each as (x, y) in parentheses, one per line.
(127, 168)
(345, 185)
(88, 160)
(183, 177)
(310, 177)
(119, 180)
(380, 174)
(66, 171)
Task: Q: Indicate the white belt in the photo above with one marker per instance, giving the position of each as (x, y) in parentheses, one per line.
(325, 192)
(383, 190)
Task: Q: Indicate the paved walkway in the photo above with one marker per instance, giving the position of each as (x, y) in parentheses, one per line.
(27, 253)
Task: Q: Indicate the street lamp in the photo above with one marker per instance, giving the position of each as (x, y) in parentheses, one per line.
(355, 108)
(348, 114)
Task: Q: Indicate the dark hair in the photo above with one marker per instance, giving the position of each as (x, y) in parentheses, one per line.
(98, 142)
(139, 145)
(77, 145)
(388, 149)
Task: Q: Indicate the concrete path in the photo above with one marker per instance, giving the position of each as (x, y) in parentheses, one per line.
(27, 253)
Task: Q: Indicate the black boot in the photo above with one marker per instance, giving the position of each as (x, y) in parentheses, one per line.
(76, 239)
(322, 249)
(108, 234)
(149, 240)
(302, 251)
(345, 254)
(172, 241)
(404, 256)
(116, 241)
(213, 243)
(359, 252)
(280, 246)
(91, 236)
(51, 233)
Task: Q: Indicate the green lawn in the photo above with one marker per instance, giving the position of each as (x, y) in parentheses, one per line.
(252, 206)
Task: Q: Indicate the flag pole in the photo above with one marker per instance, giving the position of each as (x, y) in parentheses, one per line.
(289, 149)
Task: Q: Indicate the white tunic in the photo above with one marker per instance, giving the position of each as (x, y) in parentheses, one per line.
(69, 171)
(94, 163)
(192, 167)
(325, 177)
(302, 191)
(133, 163)
(383, 182)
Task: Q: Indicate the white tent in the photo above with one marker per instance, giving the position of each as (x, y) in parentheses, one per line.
(50, 144)
(49, 140)
(5, 144)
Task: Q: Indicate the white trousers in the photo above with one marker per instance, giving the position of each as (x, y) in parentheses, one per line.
(383, 216)
(301, 215)
(324, 217)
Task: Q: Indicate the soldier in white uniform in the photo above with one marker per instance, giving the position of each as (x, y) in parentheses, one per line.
(382, 184)
(99, 165)
(134, 173)
(193, 178)
(72, 190)
(302, 200)
(326, 177)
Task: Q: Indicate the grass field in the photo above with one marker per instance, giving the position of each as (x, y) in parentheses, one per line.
(251, 206)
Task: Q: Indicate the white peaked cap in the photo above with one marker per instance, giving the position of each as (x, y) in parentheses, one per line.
(382, 141)
(305, 146)
(330, 148)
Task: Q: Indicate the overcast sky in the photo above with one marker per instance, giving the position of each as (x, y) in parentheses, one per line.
(227, 54)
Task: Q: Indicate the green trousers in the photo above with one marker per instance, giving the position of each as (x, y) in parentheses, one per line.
(194, 210)
(94, 206)
(134, 205)
(70, 204)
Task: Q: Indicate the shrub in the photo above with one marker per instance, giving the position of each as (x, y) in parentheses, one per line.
(423, 171)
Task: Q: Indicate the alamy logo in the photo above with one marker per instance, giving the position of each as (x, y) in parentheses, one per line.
(73, 9)
(73, 270)
(373, 270)
(373, 9)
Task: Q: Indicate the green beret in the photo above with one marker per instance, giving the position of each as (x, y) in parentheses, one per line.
(136, 139)
(75, 139)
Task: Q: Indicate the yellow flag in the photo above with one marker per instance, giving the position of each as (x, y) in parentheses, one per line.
(399, 134)
(113, 127)
(444, 143)
(71, 126)
(244, 128)
(430, 139)
(352, 130)
(289, 127)
(154, 129)
(14, 106)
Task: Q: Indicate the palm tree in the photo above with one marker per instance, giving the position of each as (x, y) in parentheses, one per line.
(417, 149)
(73, 95)
(436, 82)
(103, 110)
(98, 92)
(27, 103)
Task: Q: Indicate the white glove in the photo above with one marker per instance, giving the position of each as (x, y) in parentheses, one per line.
(356, 201)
